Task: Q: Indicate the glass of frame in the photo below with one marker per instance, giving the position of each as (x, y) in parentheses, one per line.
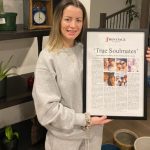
(115, 71)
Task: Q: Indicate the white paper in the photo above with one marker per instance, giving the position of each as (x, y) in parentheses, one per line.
(115, 73)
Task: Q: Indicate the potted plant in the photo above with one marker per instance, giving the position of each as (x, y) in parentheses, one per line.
(4, 73)
(10, 140)
(132, 13)
(8, 19)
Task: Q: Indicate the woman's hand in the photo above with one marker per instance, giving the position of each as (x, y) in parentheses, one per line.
(148, 54)
(100, 120)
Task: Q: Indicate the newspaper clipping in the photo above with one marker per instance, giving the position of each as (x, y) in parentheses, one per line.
(115, 73)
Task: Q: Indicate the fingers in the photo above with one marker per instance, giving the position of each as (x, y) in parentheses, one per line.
(148, 48)
(100, 120)
(148, 54)
(148, 58)
(104, 120)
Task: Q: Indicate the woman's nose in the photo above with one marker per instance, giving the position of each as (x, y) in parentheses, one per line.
(73, 23)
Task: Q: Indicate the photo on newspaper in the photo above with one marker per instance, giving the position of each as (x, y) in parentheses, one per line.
(114, 73)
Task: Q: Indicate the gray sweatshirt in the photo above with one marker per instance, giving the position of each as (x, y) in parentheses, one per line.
(57, 92)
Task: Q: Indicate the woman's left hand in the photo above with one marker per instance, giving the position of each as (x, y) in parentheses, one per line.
(100, 120)
(148, 54)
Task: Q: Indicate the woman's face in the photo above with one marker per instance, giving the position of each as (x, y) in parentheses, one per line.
(112, 80)
(106, 63)
(71, 23)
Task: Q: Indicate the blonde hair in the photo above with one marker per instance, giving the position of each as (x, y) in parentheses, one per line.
(55, 39)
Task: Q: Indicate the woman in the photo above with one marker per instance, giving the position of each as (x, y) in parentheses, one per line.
(111, 79)
(57, 90)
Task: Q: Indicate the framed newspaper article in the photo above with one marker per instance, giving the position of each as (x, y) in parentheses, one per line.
(115, 72)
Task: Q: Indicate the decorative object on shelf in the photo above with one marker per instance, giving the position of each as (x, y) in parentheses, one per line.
(7, 19)
(37, 14)
(4, 73)
(30, 81)
(124, 139)
(10, 139)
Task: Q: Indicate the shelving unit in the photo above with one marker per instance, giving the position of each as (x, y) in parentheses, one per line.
(17, 90)
(17, 86)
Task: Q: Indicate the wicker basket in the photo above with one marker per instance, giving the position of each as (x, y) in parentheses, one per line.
(125, 139)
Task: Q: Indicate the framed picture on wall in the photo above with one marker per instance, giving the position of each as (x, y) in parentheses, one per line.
(115, 71)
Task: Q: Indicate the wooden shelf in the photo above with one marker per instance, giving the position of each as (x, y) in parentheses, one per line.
(21, 32)
(17, 91)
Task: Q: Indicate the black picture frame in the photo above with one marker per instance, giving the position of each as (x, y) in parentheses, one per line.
(93, 40)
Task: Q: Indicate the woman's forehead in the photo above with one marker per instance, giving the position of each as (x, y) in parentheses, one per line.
(73, 11)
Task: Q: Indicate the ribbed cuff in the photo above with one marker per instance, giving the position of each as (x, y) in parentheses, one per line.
(80, 119)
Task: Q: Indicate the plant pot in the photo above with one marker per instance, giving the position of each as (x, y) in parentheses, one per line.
(1, 146)
(125, 139)
(12, 145)
(3, 87)
(8, 21)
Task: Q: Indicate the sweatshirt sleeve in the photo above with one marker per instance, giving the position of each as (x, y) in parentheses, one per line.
(47, 98)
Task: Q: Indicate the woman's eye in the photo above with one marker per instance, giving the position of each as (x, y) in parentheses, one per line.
(67, 19)
(79, 20)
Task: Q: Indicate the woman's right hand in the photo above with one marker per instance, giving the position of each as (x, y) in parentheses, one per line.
(100, 120)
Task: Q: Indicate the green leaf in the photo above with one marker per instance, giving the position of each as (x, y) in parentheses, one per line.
(1, 64)
(16, 134)
(7, 63)
(10, 135)
(5, 68)
(9, 132)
